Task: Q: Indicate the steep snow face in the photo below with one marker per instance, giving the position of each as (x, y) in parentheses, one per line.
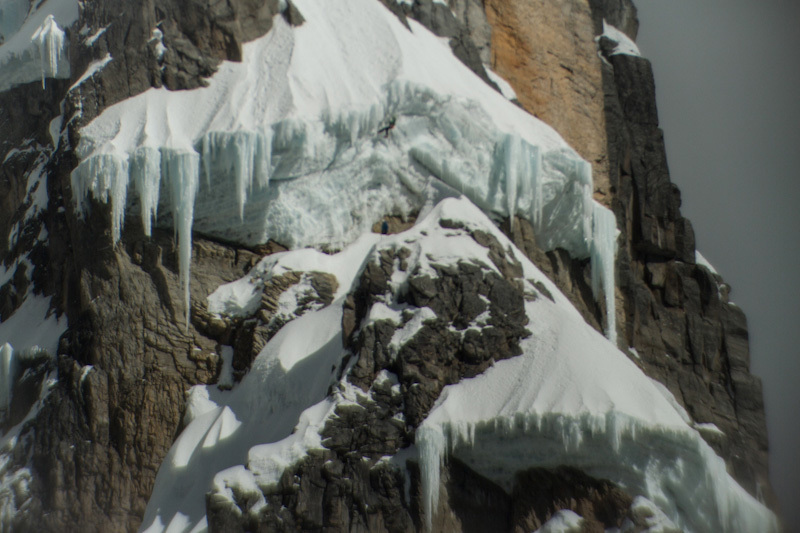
(571, 398)
(33, 44)
(286, 144)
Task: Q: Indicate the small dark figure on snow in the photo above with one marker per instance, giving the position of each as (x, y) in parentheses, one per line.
(389, 127)
(384, 227)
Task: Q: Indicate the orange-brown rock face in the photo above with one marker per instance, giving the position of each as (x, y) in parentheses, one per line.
(546, 51)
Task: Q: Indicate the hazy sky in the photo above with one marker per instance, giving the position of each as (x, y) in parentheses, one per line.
(727, 77)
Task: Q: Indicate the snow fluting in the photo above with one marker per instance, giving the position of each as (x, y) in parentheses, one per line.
(572, 398)
(286, 145)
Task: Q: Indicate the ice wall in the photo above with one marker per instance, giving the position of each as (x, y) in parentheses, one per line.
(672, 467)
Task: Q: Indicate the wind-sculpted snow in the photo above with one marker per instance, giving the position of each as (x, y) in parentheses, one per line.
(572, 398)
(288, 147)
(33, 44)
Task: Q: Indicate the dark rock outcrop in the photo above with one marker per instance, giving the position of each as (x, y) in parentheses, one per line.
(676, 312)
(347, 486)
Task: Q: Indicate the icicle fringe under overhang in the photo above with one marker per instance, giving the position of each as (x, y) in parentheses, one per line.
(642, 458)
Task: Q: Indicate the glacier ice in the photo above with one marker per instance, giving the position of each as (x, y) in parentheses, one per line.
(244, 155)
(574, 399)
(287, 145)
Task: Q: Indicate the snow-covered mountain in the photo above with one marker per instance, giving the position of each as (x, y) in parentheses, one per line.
(324, 265)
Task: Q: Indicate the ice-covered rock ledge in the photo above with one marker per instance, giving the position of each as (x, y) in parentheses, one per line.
(284, 145)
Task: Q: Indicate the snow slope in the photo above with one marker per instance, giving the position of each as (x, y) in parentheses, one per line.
(572, 398)
(284, 145)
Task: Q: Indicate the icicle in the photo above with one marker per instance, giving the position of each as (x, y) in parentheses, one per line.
(431, 444)
(517, 171)
(8, 371)
(181, 169)
(603, 252)
(49, 38)
(245, 155)
(584, 173)
(512, 162)
(537, 192)
(103, 175)
(145, 172)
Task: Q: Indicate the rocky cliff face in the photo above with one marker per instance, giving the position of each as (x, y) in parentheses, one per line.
(88, 456)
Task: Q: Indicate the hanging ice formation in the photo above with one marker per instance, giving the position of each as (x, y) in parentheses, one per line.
(107, 176)
(246, 155)
(630, 457)
(49, 39)
(8, 373)
(243, 157)
(603, 252)
(552, 190)
(277, 160)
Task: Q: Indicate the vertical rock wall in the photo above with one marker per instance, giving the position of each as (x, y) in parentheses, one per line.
(546, 51)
